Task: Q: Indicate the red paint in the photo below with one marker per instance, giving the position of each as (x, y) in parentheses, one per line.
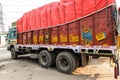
(20, 38)
(54, 36)
(41, 36)
(38, 18)
(33, 20)
(30, 37)
(57, 13)
(79, 32)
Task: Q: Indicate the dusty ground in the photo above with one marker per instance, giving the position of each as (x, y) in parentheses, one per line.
(28, 69)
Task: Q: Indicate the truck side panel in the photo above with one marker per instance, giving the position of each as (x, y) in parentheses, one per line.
(35, 37)
(30, 37)
(54, 35)
(63, 34)
(41, 37)
(95, 29)
(25, 39)
(74, 30)
(87, 31)
(104, 27)
(20, 38)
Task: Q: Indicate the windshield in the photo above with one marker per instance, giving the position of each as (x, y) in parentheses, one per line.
(12, 33)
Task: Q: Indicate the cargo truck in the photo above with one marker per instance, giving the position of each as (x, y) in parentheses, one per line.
(64, 34)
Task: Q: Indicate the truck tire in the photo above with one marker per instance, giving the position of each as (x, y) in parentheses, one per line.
(14, 54)
(67, 62)
(46, 59)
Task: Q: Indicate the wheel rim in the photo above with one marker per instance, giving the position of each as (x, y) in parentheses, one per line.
(64, 62)
(44, 59)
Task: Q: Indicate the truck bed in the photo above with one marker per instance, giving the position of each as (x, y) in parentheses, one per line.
(94, 29)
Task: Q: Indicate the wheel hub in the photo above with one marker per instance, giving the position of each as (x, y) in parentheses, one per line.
(64, 62)
(44, 59)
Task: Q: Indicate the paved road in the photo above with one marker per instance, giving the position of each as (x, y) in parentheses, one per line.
(28, 69)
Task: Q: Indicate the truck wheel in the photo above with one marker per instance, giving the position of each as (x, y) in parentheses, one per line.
(67, 62)
(46, 59)
(14, 54)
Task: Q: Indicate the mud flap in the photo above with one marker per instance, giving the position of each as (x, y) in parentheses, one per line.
(84, 59)
(116, 69)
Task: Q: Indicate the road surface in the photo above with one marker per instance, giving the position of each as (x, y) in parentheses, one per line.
(28, 69)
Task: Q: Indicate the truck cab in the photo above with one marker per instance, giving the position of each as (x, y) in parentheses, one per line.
(11, 38)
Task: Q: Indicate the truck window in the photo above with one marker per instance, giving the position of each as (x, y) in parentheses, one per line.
(13, 34)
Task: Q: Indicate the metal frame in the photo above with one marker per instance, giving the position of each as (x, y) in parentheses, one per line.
(77, 49)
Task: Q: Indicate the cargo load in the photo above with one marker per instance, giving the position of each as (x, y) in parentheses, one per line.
(38, 18)
(62, 12)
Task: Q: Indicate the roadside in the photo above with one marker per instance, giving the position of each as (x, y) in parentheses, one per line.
(28, 69)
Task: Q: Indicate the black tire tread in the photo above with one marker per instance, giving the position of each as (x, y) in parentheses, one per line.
(51, 59)
(74, 61)
(14, 54)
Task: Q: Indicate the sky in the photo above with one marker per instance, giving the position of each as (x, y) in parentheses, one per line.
(14, 9)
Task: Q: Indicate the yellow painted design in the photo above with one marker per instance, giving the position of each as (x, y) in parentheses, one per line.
(46, 44)
(87, 44)
(86, 38)
(85, 29)
(105, 44)
(118, 42)
(54, 39)
(13, 41)
(74, 45)
(100, 36)
(73, 38)
(46, 37)
(40, 38)
(50, 49)
(63, 38)
(63, 45)
(35, 39)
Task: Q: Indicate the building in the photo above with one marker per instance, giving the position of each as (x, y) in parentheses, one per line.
(2, 31)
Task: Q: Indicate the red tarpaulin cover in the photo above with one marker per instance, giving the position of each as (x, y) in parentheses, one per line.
(49, 17)
(38, 21)
(28, 21)
(69, 11)
(25, 23)
(55, 13)
(29, 17)
(66, 0)
(78, 8)
(20, 25)
(60, 12)
(33, 19)
(85, 7)
(88, 7)
(43, 16)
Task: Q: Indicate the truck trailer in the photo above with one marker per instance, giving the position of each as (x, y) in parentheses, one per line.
(66, 33)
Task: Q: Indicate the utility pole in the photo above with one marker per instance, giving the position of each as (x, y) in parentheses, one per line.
(2, 31)
(1, 21)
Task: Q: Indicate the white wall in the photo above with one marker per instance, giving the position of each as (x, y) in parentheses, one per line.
(3, 40)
